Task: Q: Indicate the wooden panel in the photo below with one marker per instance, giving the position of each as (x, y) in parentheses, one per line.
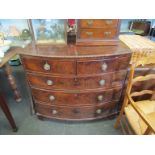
(73, 113)
(74, 98)
(53, 66)
(98, 23)
(98, 33)
(101, 66)
(72, 51)
(106, 80)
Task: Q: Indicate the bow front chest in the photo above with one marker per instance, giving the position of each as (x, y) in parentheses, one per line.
(76, 82)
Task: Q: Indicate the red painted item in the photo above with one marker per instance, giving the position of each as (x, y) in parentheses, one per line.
(71, 22)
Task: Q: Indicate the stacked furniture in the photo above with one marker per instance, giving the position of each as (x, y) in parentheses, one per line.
(138, 109)
(72, 82)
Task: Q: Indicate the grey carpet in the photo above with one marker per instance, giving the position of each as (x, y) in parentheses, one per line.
(29, 124)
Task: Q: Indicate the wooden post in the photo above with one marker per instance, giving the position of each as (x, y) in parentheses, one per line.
(12, 82)
(7, 113)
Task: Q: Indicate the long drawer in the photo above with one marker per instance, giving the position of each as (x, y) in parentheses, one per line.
(73, 113)
(98, 33)
(106, 80)
(74, 98)
(98, 23)
(49, 65)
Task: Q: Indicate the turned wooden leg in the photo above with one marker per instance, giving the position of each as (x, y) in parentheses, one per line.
(7, 113)
(12, 82)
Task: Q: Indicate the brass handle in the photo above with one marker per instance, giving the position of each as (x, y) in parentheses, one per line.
(99, 111)
(104, 67)
(100, 98)
(108, 22)
(49, 82)
(89, 33)
(102, 82)
(54, 112)
(47, 66)
(76, 82)
(107, 33)
(90, 22)
(51, 98)
(76, 111)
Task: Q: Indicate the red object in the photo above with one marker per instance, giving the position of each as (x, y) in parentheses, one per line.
(71, 22)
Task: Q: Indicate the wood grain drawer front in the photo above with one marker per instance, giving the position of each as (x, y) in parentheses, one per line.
(106, 80)
(51, 82)
(73, 99)
(98, 33)
(102, 66)
(71, 113)
(47, 65)
(98, 23)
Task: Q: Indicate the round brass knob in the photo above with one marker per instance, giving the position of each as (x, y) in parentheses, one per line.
(52, 98)
(100, 98)
(107, 33)
(108, 22)
(99, 111)
(90, 22)
(104, 67)
(102, 82)
(54, 112)
(49, 82)
(46, 66)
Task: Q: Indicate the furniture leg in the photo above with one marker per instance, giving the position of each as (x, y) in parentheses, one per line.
(125, 102)
(7, 113)
(12, 82)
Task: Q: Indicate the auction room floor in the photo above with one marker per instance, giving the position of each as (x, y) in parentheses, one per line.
(30, 125)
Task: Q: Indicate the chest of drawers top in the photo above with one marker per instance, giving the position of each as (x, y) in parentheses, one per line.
(73, 51)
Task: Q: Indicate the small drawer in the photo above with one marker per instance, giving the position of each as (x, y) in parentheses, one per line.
(102, 65)
(106, 80)
(97, 33)
(76, 98)
(77, 113)
(49, 65)
(98, 23)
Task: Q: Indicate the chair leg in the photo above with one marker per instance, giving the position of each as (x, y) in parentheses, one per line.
(147, 131)
(7, 113)
(121, 113)
(125, 102)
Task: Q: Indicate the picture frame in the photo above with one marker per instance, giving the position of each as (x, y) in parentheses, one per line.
(49, 31)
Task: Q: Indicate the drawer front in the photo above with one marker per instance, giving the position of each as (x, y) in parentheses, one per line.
(106, 80)
(102, 66)
(71, 113)
(49, 66)
(98, 23)
(76, 98)
(97, 33)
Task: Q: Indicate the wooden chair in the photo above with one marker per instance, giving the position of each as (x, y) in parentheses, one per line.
(7, 113)
(138, 117)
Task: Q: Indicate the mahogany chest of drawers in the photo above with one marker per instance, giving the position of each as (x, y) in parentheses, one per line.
(76, 82)
(97, 31)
